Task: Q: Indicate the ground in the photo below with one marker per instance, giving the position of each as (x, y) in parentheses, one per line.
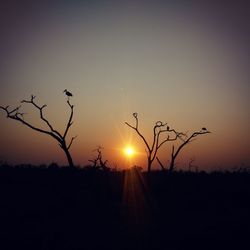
(61, 208)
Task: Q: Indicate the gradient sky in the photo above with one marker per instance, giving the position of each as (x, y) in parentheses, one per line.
(183, 63)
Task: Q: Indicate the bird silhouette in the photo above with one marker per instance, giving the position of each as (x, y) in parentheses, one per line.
(67, 93)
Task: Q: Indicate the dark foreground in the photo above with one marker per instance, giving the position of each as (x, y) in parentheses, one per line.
(79, 209)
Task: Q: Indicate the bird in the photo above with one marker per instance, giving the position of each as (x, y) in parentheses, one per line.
(67, 93)
(204, 129)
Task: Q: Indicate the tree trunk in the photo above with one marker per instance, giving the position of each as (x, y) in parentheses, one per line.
(149, 165)
(171, 167)
(69, 158)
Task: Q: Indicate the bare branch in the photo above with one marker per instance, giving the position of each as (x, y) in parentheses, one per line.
(11, 113)
(18, 116)
(159, 125)
(158, 129)
(71, 141)
(189, 139)
(136, 118)
(137, 131)
(40, 108)
(130, 126)
(102, 164)
(70, 119)
(172, 135)
(177, 135)
(156, 145)
(162, 166)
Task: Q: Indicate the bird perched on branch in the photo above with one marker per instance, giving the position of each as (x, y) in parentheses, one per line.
(67, 93)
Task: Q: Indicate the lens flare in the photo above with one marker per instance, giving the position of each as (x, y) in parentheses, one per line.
(129, 151)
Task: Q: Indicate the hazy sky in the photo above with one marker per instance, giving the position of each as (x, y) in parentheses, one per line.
(183, 63)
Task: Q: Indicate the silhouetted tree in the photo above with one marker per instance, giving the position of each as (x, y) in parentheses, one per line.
(192, 166)
(15, 114)
(98, 161)
(185, 141)
(158, 129)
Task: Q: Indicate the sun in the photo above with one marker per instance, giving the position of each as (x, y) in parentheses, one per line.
(129, 151)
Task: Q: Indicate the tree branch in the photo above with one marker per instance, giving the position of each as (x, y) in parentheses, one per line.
(70, 119)
(162, 166)
(158, 125)
(177, 135)
(41, 114)
(158, 129)
(174, 153)
(137, 131)
(17, 118)
(71, 141)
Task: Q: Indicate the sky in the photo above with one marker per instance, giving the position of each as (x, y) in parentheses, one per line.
(186, 64)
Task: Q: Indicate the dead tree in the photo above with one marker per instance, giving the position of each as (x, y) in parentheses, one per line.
(160, 163)
(16, 115)
(192, 166)
(102, 164)
(159, 128)
(185, 141)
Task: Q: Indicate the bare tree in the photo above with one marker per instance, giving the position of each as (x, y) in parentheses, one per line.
(102, 164)
(158, 129)
(185, 141)
(160, 163)
(16, 115)
(192, 166)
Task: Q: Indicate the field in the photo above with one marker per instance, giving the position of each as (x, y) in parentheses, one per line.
(62, 208)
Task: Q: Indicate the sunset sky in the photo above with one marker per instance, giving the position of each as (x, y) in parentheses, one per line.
(183, 63)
